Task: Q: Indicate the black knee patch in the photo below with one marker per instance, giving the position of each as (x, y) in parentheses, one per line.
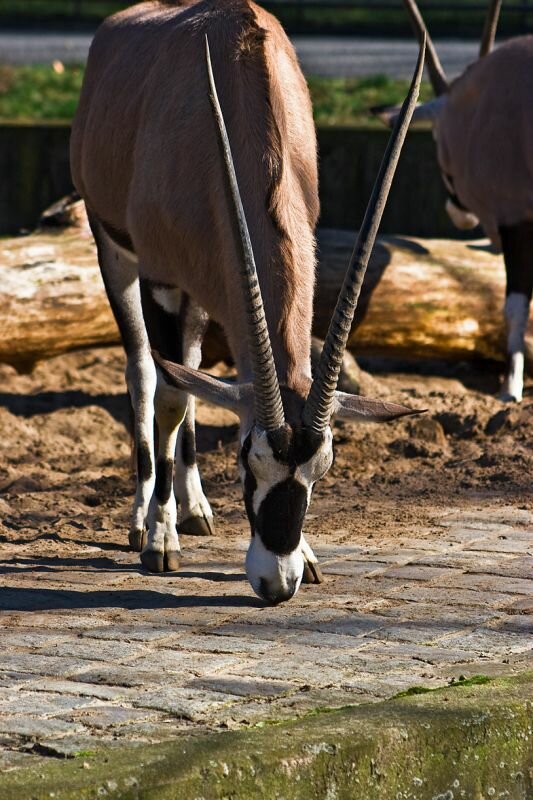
(188, 444)
(163, 479)
(517, 245)
(144, 462)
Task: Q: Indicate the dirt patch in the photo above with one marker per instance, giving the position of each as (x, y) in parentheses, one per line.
(66, 478)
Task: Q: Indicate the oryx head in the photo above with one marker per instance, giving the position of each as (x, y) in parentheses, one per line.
(286, 443)
(442, 111)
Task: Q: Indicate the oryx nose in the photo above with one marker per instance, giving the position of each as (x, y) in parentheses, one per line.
(277, 595)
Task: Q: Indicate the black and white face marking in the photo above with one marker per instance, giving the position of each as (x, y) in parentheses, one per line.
(278, 472)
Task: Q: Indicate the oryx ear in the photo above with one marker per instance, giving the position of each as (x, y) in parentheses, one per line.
(213, 390)
(356, 408)
(424, 112)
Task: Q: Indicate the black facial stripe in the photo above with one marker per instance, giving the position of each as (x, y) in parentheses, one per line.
(294, 446)
(250, 483)
(281, 515)
(144, 462)
(188, 443)
(163, 479)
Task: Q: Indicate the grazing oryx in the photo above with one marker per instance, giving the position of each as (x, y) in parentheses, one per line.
(483, 127)
(152, 160)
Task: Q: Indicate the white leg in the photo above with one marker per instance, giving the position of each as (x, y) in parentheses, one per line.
(175, 327)
(516, 316)
(196, 515)
(120, 273)
(162, 550)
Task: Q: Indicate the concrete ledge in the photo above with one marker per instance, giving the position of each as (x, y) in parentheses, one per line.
(472, 741)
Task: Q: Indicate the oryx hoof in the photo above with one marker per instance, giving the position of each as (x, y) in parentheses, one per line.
(153, 560)
(197, 526)
(312, 573)
(172, 560)
(137, 539)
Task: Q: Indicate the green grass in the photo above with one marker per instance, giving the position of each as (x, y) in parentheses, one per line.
(38, 93)
(345, 101)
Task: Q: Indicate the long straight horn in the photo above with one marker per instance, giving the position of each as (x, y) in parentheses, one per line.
(489, 28)
(436, 72)
(268, 404)
(320, 402)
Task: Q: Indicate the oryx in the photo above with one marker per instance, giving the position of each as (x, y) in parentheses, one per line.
(185, 231)
(483, 127)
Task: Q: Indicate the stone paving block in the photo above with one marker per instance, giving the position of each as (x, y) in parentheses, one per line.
(78, 688)
(32, 728)
(430, 654)
(521, 567)
(192, 704)
(97, 650)
(39, 703)
(243, 687)
(40, 665)
(418, 634)
(389, 685)
(508, 544)
(253, 631)
(30, 638)
(332, 642)
(451, 596)
(110, 716)
(15, 679)
(217, 643)
(478, 581)
(421, 572)
(293, 672)
(184, 662)
(489, 642)
(353, 567)
(130, 633)
(49, 620)
(416, 613)
(68, 747)
(515, 623)
(127, 676)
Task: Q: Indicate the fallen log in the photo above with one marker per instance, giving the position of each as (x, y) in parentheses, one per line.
(421, 298)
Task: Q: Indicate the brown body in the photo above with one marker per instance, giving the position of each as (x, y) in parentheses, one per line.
(484, 136)
(145, 158)
(194, 149)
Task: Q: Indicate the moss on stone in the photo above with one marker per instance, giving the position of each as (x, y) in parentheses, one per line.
(475, 743)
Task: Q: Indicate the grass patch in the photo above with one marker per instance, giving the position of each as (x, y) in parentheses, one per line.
(346, 101)
(40, 93)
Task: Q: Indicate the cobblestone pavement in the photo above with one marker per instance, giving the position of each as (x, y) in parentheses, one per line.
(96, 651)
(326, 56)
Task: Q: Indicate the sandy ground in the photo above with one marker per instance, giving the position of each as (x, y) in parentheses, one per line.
(66, 478)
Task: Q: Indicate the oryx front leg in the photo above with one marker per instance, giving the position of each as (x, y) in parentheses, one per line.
(516, 317)
(162, 550)
(312, 572)
(120, 273)
(196, 515)
(517, 246)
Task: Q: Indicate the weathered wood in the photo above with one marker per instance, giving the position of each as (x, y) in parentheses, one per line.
(421, 298)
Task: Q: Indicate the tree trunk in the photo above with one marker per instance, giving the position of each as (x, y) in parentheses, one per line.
(421, 298)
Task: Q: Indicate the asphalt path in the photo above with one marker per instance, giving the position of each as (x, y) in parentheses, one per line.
(321, 56)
